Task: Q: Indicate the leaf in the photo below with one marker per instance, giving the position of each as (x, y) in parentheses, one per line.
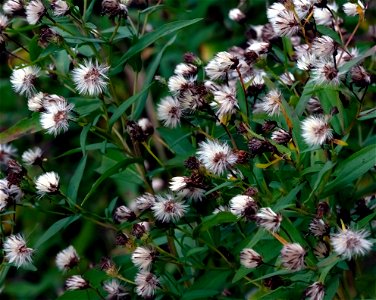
(366, 220)
(126, 104)
(34, 49)
(286, 200)
(210, 221)
(322, 177)
(195, 251)
(83, 137)
(325, 30)
(89, 10)
(55, 228)
(199, 294)
(367, 114)
(111, 171)
(347, 66)
(352, 168)
(149, 39)
(75, 181)
(24, 127)
(150, 76)
(308, 91)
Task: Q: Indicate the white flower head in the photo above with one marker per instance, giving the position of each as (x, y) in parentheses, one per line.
(56, 117)
(272, 103)
(114, 289)
(178, 84)
(4, 200)
(250, 259)
(268, 219)
(316, 130)
(16, 250)
(281, 136)
(59, 7)
(185, 187)
(218, 67)
(323, 46)
(76, 282)
(11, 193)
(315, 291)
(349, 243)
(146, 283)
(124, 214)
(35, 10)
(318, 227)
(47, 183)
(167, 209)
(143, 257)
(186, 70)
(90, 78)
(323, 16)
(7, 151)
(353, 9)
(243, 206)
(35, 102)
(236, 14)
(282, 19)
(216, 157)
(169, 111)
(3, 25)
(11, 7)
(325, 72)
(303, 7)
(32, 156)
(292, 256)
(287, 78)
(67, 259)
(145, 201)
(23, 79)
(225, 102)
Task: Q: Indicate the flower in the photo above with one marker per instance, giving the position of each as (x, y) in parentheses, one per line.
(188, 186)
(139, 229)
(55, 118)
(7, 151)
(47, 183)
(12, 7)
(221, 208)
(76, 282)
(282, 19)
(236, 14)
(35, 103)
(13, 192)
(318, 227)
(272, 102)
(321, 250)
(243, 206)
(218, 67)
(250, 259)
(3, 200)
(323, 16)
(225, 101)
(292, 256)
(315, 291)
(90, 78)
(216, 157)
(123, 214)
(281, 136)
(59, 7)
(3, 25)
(145, 201)
(303, 7)
(146, 283)
(353, 9)
(316, 130)
(323, 46)
(287, 78)
(268, 219)
(167, 209)
(114, 289)
(178, 84)
(16, 250)
(349, 243)
(114, 8)
(143, 257)
(35, 10)
(32, 156)
(23, 79)
(186, 70)
(67, 258)
(325, 72)
(169, 111)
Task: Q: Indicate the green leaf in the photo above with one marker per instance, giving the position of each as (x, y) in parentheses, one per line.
(24, 127)
(347, 66)
(34, 49)
(367, 114)
(199, 294)
(210, 221)
(75, 181)
(89, 10)
(149, 78)
(55, 228)
(365, 221)
(149, 39)
(119, 167)
(127, 103)
(286, 200)
(195, 251)
(325, 30)
(83, 137)
(352, 168)
(308, 91)
(322, 178)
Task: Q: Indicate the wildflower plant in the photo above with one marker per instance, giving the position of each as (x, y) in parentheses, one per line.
(186, 155)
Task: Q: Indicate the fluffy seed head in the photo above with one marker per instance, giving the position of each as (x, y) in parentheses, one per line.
(268, 219)
(12, 7)
(23, 79)
(76, 282)
(146, 283)
(225, 102)
(283, 20)
(315, 291)
(349, 243)
(323, 46)
(145, 201)
(55, 118)
(32, 156)
(35, 10)
(243, 206)
(272, 102)
(281, 136)
(169, 111)
(250, 259)
(59, 7)
(353, 9)
(318, 227)
(142, 257)
(16, 251)
(67, 259)
(218, 67)
(47, 183)
(292, 256)
(114, 289)
(316, 131)
(12, 193)
(167, 209)
(124, 214)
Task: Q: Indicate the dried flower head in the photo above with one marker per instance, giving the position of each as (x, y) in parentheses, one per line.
(35, 102)
(268, 219)
(272, 102)
(187, 187)
(316, 130)
(281, 136)
(315, 291)
(167, 209)
(90, 78)
(124, 214)
(76, 282)
(323, 46)
(146, 283)
(169, 111)
(35, 10)
(186, 70)
(47, 183)
(13, 193)
(32, 156)
(216, 157)
(283, 20)
(325, 72)
(314, 106)
(145, 201)
(225, 102)
(318, 227)
(243, 206)
(7, 151)
(360, 76)
(250, 259)
(353, 9)
(59, 7)
(23, 79)
(139, 229)
(16, 251)
(323, 16)
(292, 256)
(55, 118)
(114, 289)
(178, 84)
(143, 257)
(4, 21)
(236, 15)
(12, 7)
(303, 7)
(114, 8)
(321, 250)
(349, 243)
(67, 259)
(218, 67)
